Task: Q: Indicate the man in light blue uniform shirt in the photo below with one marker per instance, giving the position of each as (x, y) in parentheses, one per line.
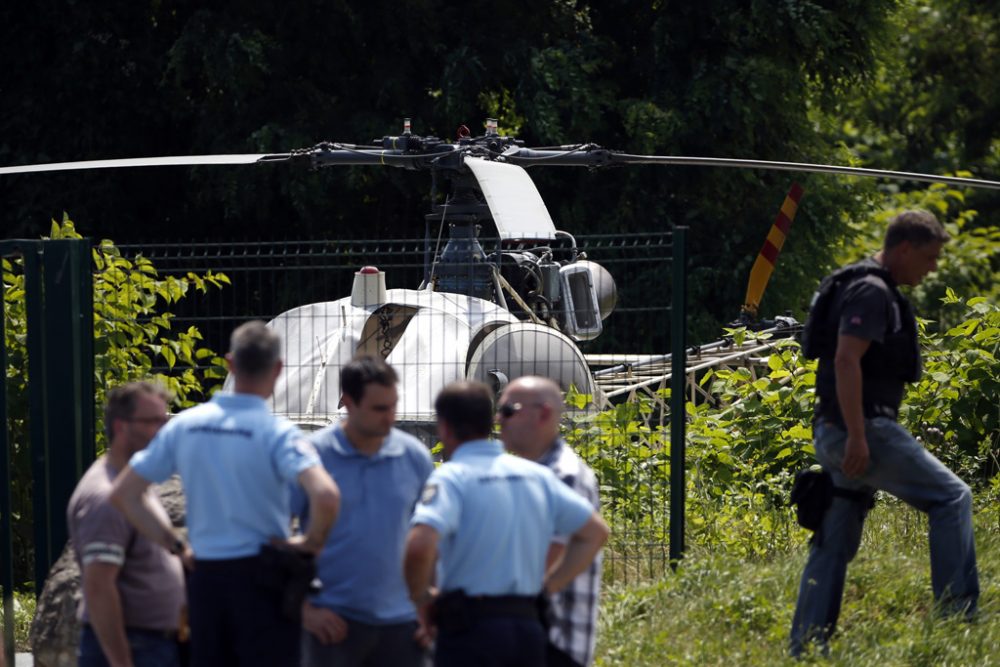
(491, 517)
(363, 617)
(236, 460)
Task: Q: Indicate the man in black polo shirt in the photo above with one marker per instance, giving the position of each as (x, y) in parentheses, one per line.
(859, 386)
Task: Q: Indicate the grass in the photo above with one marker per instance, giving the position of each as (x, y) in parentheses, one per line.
(24, 610)
(720, 609)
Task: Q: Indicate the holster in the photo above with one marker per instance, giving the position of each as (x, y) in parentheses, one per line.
(291, 574)
(451, 612)
(544, 605)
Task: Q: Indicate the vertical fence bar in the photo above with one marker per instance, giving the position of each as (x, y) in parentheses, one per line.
(6, 508)
(678, 380)
(83, 259)
(68, 374)
(37, 423)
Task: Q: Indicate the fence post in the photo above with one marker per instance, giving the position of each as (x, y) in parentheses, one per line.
(59, 306)
(34, 310)
(6, 525)
(678, 380)
(69, 368)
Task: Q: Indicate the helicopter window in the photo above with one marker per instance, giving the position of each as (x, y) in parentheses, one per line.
(581, 298)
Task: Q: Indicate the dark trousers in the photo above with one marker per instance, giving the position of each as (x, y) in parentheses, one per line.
(493, 641)
(556, 657)
(365, 645)
(236, 622)
(149, 649)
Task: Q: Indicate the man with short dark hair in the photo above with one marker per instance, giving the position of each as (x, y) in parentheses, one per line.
(529, 413)
(363, 617)
(859, 386)
(491, 517)
(133, 591)
(236, 460)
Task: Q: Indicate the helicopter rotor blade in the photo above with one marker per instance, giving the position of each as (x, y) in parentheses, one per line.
(594, 156)
(174, 160)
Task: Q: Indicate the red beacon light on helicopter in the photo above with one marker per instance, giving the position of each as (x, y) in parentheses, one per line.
(369, 287)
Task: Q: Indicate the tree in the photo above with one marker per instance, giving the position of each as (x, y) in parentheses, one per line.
(714, 78)
(932, 104)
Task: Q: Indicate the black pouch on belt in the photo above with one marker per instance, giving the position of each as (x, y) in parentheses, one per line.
(544, 605)
(289, 572)
(452, 612)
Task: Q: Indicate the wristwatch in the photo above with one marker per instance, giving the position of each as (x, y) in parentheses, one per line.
(177, 548)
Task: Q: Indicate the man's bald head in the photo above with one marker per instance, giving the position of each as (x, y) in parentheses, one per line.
(529, 413)
(539, 388)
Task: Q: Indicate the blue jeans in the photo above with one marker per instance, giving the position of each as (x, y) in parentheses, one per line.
(366, 645)
(149, 649)
(899, 465)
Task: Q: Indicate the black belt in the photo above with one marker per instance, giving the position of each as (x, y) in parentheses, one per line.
(246, 565)
(170, 635)
(504, 605)
(455, 609)
(829, 410)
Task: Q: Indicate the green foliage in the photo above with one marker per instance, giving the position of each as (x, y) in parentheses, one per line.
(955, 408)
(744, 449)
(631, 460)
(741, 452)
(133, 339)
(969, 262)
(24, 611)
(713, 78)
(930, 104)
(745, 444)
(132, 329)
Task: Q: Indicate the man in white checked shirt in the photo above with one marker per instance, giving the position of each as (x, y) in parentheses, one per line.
(528, 413)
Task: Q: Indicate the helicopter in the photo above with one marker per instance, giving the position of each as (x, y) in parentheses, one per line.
(519, 307)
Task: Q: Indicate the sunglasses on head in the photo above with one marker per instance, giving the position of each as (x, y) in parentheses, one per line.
(507, 410)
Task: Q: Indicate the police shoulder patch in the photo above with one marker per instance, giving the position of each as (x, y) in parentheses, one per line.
(429, 493)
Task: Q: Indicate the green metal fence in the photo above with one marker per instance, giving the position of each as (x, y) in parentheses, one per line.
(270, 278)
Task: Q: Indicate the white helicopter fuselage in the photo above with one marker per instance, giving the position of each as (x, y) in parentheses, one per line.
(430, 338)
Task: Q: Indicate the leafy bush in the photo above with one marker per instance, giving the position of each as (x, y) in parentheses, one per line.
(132, 339)
(955, 408)
(744, 446)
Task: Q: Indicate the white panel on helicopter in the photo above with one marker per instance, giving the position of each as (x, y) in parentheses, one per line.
(514, 201)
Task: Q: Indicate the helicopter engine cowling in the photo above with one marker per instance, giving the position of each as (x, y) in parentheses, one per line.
(513, 350)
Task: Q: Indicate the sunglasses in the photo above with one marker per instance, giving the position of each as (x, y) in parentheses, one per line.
(508, 410)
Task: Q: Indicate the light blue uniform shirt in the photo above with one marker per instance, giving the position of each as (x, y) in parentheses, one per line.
(496, 515)
(236, 460)
(361, 566)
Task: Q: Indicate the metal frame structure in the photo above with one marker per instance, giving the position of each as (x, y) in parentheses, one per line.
(645, 374)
